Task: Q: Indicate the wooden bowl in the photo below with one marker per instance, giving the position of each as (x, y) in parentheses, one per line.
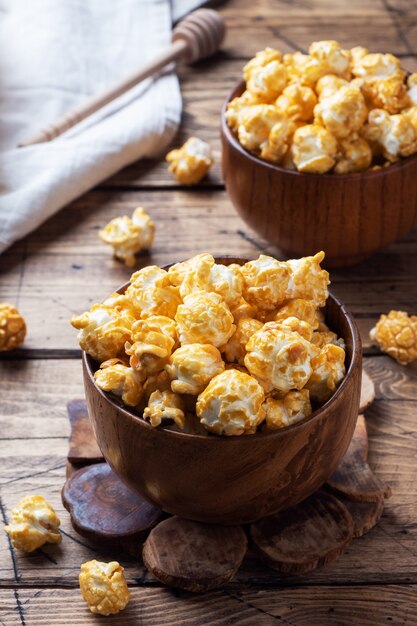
(230, 480)
(348, 216)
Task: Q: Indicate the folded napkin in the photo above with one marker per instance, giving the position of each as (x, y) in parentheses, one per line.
(54, 54)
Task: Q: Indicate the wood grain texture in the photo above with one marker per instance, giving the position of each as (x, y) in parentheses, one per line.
(83, 448)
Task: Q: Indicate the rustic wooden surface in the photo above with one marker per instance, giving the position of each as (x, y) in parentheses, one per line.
(63, 267)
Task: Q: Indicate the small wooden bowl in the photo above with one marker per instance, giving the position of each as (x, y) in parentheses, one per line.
(231, 480)
(349, 216)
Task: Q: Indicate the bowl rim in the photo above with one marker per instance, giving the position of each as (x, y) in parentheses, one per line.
(232, 139)
(315, 415)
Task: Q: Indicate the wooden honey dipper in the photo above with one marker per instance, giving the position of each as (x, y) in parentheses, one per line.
(197, 36)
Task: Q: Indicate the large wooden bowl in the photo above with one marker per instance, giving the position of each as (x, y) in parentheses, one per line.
(231, 480)
(348, 216)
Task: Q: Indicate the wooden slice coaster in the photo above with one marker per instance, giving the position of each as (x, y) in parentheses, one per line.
(83, 449)
(194, 556)
(367, 392)
(104, 510)
(304, 537)
(365, 515)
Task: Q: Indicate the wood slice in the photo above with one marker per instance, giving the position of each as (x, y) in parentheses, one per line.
(194, 556)
(367, 392)
(307, 536)
(365, 515)
(105, 510)
(358, 483)
(83, 448)
(358, 447)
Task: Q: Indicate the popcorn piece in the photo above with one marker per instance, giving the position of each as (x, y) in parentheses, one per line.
(239, 106)
(33, 523)
(342, 113)
(123, 381)
(231, 404)
(255, 124)
(151, 291)
(292, 408)
(122, 303)
(331, 57)
(329, 85)
(394, 133)
(302, 309)
(191, 162)
(354, 156)
(192, 366)
(103, 587)
(357, 53)
(103, 331)
(411, 116)
(265, 282)
(261, 59)
(235, 348)
(278, 141)
(376, 66)
(165, 405)
(279, 359)
(267, 81)
(204, 318)
(388, 93)
(322, 338)
(243, 309)
(328, 371)
(295, 325)
(308, 280)
(313, 149)
(153, 340)
(12, 327)
(129, 236)
(304, 69)
(396, 334)
(156, 382)
(297, 102)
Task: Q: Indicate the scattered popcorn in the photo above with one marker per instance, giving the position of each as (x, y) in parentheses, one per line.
(396, 334)
(328, 371)
(292, 408)
(231, 404)
(191, 162)
(153, 340)
(204, 318)
(395, 134)
(123, 381)
(235, 349)
(103, 587)
(192, 366)
(12, 327)
(308, 280)
(33, 523)
(165, 405)
(128, 236)
(313, 149)
(152, 292)
(265, 282)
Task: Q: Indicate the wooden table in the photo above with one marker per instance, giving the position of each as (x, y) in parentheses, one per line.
(62, 268)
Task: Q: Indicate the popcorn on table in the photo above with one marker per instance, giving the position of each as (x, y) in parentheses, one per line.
(396, 334)
(316, 112)
(12, 327)
(211, 339)
(128, 236)
(191, 162)
(33, 523)
(103, 587)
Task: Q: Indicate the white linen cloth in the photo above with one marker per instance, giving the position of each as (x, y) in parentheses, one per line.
(53, 55)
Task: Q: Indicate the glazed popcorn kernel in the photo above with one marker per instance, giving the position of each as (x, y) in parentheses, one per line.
(12, 327)
(297, 102)
(33, 523)
(267, 81)
(255, 125)
(243, 309)
(328, 371)
(231, 404)
(165, 405)
(204, 318)
(354, 156)
(123, 381)
(396, 334)
(302, 309)
(308, 280)
(313, 149)
(394, 134)
(153, 340)
(128, 236)
(191, 162)
(295, 325)
(292, 408)
(103, 331)
(329, 85)
(103, 587)
(342, 113)
(235, 349)
(322, 337)
(278, 141)
(192, 366)
(265, 282)
(152, 292)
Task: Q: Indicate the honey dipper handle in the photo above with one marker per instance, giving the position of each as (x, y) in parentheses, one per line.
(197, 36)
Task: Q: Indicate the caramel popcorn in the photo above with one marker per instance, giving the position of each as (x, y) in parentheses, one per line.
(165, 405)
(128, 236)
(153, 340)
(295, 325)
(322, 337)
(292, 408)
(123, 381)
(152, 292)
(315, 112)
(204, 318)
(33, 523)
(191, 162)
(192, 366)
(103, 587)
(235, 349)
(231, 404)
(12, 327)
(328, 371)
(265, 282)
(396, 334)
(308, 280)
(302, 309)
(243, 309)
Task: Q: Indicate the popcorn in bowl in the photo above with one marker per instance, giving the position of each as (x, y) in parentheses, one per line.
(229, 349)
(331, 110)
